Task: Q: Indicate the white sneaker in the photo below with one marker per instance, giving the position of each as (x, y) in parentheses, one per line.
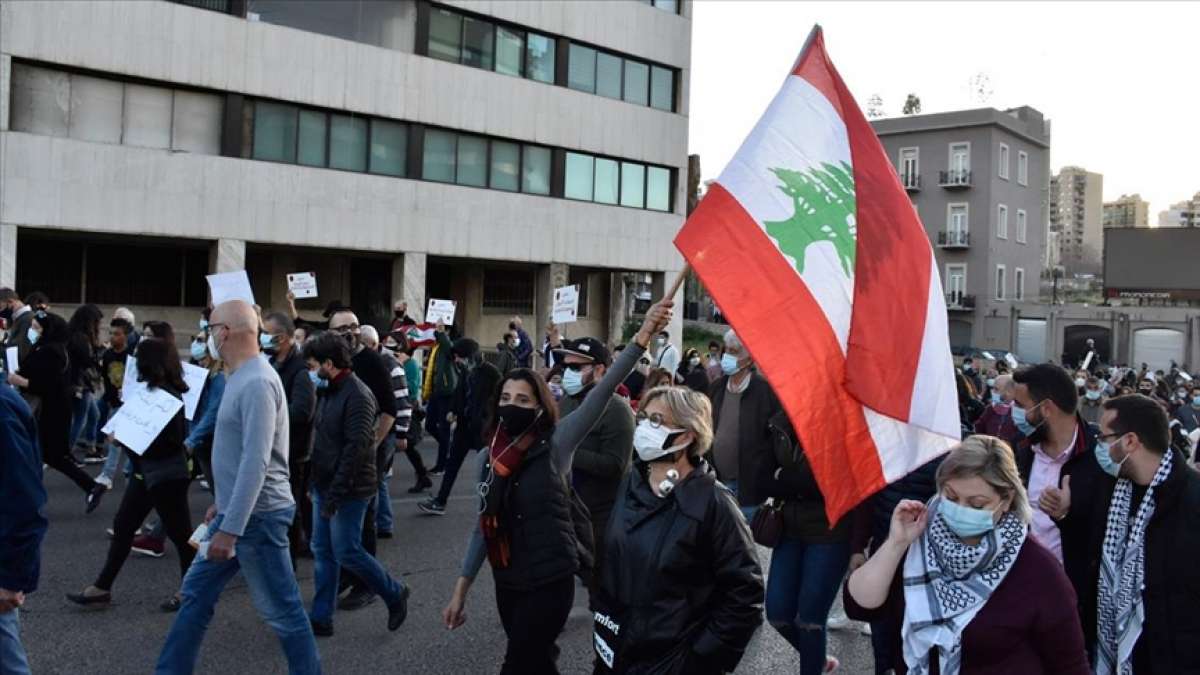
(204, 484)
(839, 622)
(105, 481)
(864, 628)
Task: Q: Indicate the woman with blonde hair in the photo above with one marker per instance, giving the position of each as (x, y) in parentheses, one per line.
(681, 590)
(975, 594)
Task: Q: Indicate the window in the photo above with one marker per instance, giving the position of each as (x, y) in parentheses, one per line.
(610, 181)
(445, 35)
(1002, 222)
(36, 100)
(438, 162)
(95, 109)
(478, 37)
(633, 184)
(956, 283)
(607, 180)
(472, 161)
(274, 132)
(1001, 280)
(196, 123)
(581, 68)
(506, 162)
(1018, 284)
(347, 143)
(671, 6)
(578, 184)
(539, 58)
(909, 167)
(957, 219)
(1022, 168)
(1022, 226)
(960, 158)
(389, 148)
(311, 151)
(508, 51)
(578, 277)
(535, 170)
(147, 119)
(658, 188)
(662, 88)
(637, 82)
(608, 75)
(507, 291)
(1004, 161)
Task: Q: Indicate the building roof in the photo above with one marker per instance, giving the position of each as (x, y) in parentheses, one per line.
(1024, 121)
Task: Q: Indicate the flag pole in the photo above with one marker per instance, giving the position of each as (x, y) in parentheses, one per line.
(670, 294)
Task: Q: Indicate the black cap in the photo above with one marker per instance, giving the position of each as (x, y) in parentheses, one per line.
(587, 348)
(465, 348)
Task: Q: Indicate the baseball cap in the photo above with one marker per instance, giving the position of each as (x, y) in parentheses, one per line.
(587, 348)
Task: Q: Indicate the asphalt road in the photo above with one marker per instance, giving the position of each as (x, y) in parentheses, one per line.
(126, 637)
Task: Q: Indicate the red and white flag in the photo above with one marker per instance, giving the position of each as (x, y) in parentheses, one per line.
(420, 334)
(810, 245)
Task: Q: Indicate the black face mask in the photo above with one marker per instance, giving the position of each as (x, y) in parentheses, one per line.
(399, 314)
(352, 340)
(6, 314)
(516, 420)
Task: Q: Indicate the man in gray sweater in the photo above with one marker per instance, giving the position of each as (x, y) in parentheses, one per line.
(248, 526)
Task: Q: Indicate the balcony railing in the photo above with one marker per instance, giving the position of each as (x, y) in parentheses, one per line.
(959, 302)
(954, 239)
(911, 181)
(955, 178)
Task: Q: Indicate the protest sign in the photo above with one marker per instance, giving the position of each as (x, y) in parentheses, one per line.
(440, 310)
(230, 286)
(143, 415)
(566, 305)
(302, 284)
(10, 360)
(194, 377)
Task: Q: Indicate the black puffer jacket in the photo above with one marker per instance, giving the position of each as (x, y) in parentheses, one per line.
(793, 483)
(681, 590)
(302, 403)
(343, 456)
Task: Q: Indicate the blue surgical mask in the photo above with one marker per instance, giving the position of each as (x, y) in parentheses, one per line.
(997, 398)
(1019, 419)
(203, 324)
(1105, 460)
(991, 382)
(267, 342)
(32, 335)
(1196, 400)
(318, 381)
(572, 382)
(1092, 394)
(729, 364)
(965, 521)
(199, 350)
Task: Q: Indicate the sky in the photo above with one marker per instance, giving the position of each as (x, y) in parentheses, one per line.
(1117, 80)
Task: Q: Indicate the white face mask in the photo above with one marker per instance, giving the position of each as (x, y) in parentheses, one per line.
(649, 441)
(212, 347)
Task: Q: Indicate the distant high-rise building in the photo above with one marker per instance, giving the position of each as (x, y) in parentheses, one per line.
(1182, 214)
(1076, 215)
(1128, 211)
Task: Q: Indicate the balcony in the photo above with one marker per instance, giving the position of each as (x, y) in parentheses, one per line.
(911, 181)
(955, 179)
(958, 302)
(954, 239)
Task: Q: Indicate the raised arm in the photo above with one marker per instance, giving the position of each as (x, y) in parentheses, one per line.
(870, 584)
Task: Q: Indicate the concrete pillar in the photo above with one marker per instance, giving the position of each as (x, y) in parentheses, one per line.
(8, 256)
(549, 277)
(230, 255)
(616, 307)
(408, 282)
(5, 87)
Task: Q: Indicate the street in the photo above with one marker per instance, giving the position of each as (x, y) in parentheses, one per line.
(426, 551)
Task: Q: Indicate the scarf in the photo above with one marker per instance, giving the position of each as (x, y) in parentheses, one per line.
(504, 459)
(947, 582)
(1122, 571)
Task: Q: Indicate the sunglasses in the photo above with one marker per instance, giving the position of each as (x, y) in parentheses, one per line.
(576, 367)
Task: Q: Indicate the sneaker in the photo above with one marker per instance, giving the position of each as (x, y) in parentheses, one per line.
(864, 628)
(171, 605)
(433, 507)
(105, 481)
(148, 546)
(358, 598)
(321, 629)
(423, 484)
(93, 458)
(837, 622)
(204, 484)
(93, 497)
(398, 612)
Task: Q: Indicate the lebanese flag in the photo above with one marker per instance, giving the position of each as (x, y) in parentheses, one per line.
(810, 245)
(420, 334)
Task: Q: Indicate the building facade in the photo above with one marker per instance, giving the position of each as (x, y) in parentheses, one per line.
(1128, 211)
(978, 179)
(485, 153)
(1077, 219)
(1182, 214)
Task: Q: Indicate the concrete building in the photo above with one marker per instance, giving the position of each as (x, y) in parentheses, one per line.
(979, 180)
(1182, 214)
(1128, 211)
(1076, 215)
(480, 152)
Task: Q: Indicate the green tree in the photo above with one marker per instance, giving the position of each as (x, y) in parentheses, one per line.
(824, 211)
(912, 105)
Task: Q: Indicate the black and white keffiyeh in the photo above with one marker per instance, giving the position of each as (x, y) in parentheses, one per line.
(947, 582)
(1122, 571)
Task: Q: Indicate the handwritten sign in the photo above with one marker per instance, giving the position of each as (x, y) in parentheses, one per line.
(230, 286)
(566, 305)
(130, 382)
(302, 284)
(440, 310)
(1012, 360)
(138, 422)
(194, 377)
(10, 360)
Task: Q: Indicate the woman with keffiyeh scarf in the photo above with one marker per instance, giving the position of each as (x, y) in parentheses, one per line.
(975, 593)
(532, 528)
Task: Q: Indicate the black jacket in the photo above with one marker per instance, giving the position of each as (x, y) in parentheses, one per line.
(920, 485)
(506, 358)
(793, 483)
(343, 456)
(470, 406)
(602, 458)
(48, 371)
(755, 441)
(302, 404)
(681, 581)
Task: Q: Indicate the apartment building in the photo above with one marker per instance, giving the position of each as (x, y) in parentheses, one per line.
(1128, 211)
(978, 179)
(1182, 214)
(1077, 219)
(480, 152)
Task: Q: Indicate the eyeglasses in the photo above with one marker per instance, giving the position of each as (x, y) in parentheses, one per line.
(1114, 435)
(576, 367)
(212, 327)
(656, 419)
(348, 328)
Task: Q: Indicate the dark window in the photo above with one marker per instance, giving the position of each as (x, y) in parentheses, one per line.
(348, 143)
(478, 37)
(581, 68)
(658, 188)
(662, 88)
(507, 291)
(312, 138)
(438, 162)
(539, 57)
(389, 147)
(445, 35)
(275, 132)
(579, 176)
(472, 161)
(222, 6)
(535, 170)
(52, 266)
(578, 276)
(608, 75)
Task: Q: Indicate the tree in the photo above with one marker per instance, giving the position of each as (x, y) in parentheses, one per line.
(912, 105)
(875, 107)
(980, 89)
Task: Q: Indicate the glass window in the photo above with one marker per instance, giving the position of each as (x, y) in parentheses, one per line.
(313, 129)
(445, 35)
(608, 75)
(662, 88)
(147, 119)
(477, 43)
(579, 177)
(633, 184)
(389, 147)
(508, 51)
(196, 124)
(539, 57)
(607, 174)
(658, 188)
(667, 5)
(535, 170)
(506, 160)
(274, 132)
(438, 163)
(347, 142)
(37, 94)
(96, 109)
(637, 82)
(581, 68)
(472, 161)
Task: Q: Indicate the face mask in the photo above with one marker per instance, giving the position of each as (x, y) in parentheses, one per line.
(1092, 394)
(966, 367)
(651, 442)
(556, 389)
(965, 521)
(516, 420)
(1105, 460)
(32, 335)
(694, 361)
(516, 342)
(660, 341)
(572, 382)
(399, 314)
(212, 347)
(268, 343)
(203, 324)
(199, 350)
(991, 382)
(1019, 419)
(997, 399)
(1196, 400)
(1181, 394)
(729, 364)
(1079, 382)
(318, 381)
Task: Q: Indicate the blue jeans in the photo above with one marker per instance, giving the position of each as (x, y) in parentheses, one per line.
(383, 507)
(83, 419)
(12, 654)
(262, 557)
(337, 542)
(801, 587)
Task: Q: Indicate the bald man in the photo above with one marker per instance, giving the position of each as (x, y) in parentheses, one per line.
(996, 419)
(248, 526)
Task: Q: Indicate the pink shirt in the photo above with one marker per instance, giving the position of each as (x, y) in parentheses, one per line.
(1042, 475)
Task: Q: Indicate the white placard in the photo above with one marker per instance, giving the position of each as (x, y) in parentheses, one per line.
(566, 305)
(303, 284)
(10, 360)
(230, 286)
(1012, 360)
(1087, 361)
(130, 382)
(440, 310)
(1185, 376)
(198, 536)
(194, 377)
(988, 356)
(144, 414)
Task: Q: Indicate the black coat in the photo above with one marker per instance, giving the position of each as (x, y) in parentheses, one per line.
(793, 483)
(920, 484)
(343, 456)
(301, 402)
(755, 440)
(681, 579)
(470, 405)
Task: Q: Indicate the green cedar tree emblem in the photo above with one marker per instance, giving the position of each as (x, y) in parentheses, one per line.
(825, 210)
